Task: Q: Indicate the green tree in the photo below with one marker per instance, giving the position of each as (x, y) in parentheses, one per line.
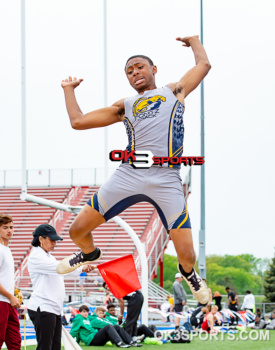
(240, 272)
(269, 285)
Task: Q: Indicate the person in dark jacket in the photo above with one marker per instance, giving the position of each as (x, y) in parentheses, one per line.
(134, 305)
(233, 300)
(217, 298)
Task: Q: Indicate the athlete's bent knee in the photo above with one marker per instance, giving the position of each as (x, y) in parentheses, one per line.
(72, 232)
(188, 257)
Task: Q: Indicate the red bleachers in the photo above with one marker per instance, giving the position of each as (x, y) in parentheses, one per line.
(27, 216)
(110, 237)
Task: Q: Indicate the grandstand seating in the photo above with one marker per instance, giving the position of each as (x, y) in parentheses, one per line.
(110, 237)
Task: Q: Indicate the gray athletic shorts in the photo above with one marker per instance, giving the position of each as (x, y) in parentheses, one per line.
(157, 185)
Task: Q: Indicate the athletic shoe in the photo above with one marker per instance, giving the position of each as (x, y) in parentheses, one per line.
(197, 286)
(123, 345)
(74, 261)
(140, 338)
(136, 344)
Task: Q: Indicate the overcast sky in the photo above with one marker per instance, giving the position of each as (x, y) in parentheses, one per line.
(65, 37)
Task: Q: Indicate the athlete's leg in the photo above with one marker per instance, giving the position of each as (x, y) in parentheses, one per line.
(183, 242)
(165, 189)
(118, 193)
(80, 231)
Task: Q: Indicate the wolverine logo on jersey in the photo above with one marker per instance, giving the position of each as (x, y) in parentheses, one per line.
(147, 107)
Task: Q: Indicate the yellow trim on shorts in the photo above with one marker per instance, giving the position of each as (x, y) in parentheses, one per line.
(103, 202)
(184, 220)
(177, 214)
(92, 201)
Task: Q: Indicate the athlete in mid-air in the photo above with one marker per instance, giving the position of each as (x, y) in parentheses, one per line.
(154, 122)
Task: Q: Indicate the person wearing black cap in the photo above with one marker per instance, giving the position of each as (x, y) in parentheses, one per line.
(46, 302)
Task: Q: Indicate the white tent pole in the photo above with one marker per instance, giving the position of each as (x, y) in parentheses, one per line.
(105, 87)
(23, 100)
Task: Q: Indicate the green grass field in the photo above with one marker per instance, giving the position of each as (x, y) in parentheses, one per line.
(227, 343)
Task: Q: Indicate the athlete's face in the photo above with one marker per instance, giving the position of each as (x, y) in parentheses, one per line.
(84, 313)
(6, 232)
(112, 311)
(141, 74)
(100, 314)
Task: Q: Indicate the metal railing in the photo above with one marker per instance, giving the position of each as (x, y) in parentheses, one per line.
(54, 177)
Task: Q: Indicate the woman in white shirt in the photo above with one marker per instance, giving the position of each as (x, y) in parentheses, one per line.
(249, 301)
(46, 302)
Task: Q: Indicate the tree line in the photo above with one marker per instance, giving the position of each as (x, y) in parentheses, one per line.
(239, 272)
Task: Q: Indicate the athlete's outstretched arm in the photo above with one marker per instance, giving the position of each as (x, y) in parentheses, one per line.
(101, 117)
(196, 74)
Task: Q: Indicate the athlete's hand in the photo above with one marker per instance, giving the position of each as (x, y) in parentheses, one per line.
(88, 268)
(186, 40)
(15, 302)
(73, 82)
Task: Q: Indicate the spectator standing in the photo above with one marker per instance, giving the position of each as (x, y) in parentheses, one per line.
(248, 301)
(217, 298)
(135, 302)
(233, 300)
(9, 322)
(46, 302)
(180, 298)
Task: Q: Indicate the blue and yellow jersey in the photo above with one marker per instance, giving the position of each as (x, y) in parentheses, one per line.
(154, 122)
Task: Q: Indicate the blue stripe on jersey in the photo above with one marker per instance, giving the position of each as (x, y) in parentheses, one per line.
(131, 200)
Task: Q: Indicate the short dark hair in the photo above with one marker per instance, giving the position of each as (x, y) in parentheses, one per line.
(227, 288)
(84, 308)
(142, 56)
(110, 305)
(35, 242)
(5, 219)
